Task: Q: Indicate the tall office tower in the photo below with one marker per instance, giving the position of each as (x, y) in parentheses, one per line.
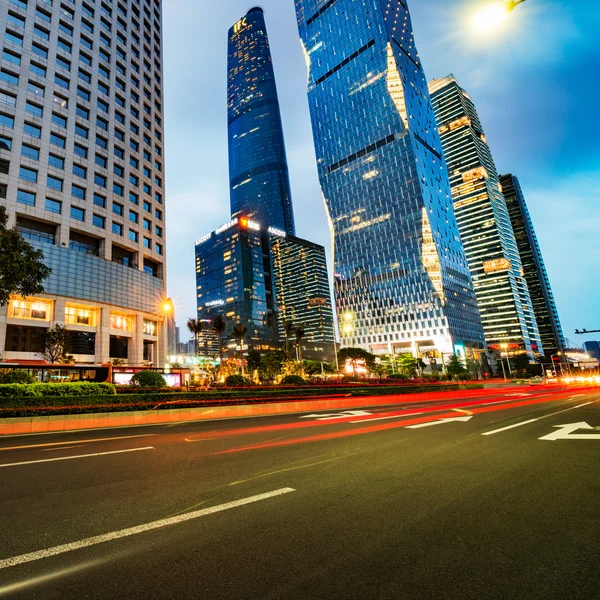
(302, 291)
(258, 170)
(487, 235)
(260, 276)
(542, 298)
(81, 173)
(401, 277)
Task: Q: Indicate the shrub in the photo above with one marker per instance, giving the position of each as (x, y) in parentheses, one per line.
(237, 381)
(398, 377)
(37, 390)
(463, 377)
(149, 379)
(293, 380)
(16, 377)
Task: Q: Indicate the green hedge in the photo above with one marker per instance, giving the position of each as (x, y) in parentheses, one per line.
(56, 390)
(49, 405)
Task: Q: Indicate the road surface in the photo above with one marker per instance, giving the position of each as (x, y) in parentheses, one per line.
(493, 497)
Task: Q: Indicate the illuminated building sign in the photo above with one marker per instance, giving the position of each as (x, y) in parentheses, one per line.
(496, 266)
(278, 232)
(226, 226)
(239, 25)
(203, 239)
(249, 224)
(214, 303)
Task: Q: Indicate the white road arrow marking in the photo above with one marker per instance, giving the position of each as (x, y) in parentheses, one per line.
(440, 422)
(333, 416)
(565, 432)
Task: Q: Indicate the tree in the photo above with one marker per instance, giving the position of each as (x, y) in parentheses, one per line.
(300, 334)
(22, 270)
(195, 328)
(219, 325)
(149, 379)
(316, 367)
(455, 366)
(56, 345)
(239, 333)
(254, 360)
(288, 330)
(408, 365)
(270, 364)
(355, 356)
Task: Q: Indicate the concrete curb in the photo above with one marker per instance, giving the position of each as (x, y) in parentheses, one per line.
(25, 425)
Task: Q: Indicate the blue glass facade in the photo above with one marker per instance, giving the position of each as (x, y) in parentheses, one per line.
(258, 171)
(401, 277)
(262, 277)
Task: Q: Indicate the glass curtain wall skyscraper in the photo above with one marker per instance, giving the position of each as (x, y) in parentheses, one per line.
(542, 298)
(258, 171)
(486, 231)
(82, 174)
(401, 278)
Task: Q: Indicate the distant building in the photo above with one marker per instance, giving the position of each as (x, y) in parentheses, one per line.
(299, 271)
(258, 171)
(593, 349)
(542, 299)
(485, 229)
(401, 278)
(262, 277)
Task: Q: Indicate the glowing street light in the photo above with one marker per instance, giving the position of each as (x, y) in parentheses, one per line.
(167, 306)
(493, 15)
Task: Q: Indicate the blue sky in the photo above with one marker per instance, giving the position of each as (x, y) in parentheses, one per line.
(535, 83)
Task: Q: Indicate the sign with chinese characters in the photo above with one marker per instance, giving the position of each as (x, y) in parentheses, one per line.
(496, 266)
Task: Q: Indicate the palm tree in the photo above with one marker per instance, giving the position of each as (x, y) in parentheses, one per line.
(219, 325)
(288, 329)
(195, 328)
(239, 333)
(300, 333)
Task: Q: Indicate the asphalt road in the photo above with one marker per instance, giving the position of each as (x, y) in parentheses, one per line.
(453, 499)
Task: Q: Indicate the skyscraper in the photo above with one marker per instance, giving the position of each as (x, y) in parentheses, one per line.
(485, 228)
(260, 276)
(542, 299)
(258, 170)
(82, 175)
(401, 278)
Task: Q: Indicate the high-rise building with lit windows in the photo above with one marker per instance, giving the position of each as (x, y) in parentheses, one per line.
(258, 171)
(82, 173)
(401, 278)
(261, 277)
(500, 286)
(536, 275)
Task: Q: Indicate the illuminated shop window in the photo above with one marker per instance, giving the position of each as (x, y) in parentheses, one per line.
(150, 327)
(78, 315)
(120, 322)
(35, 310)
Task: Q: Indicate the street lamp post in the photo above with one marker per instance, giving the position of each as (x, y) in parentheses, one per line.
(559, 354)
(166, 309)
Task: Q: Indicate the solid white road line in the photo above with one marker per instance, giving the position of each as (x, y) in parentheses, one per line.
(107, 439)
(534, 420)
(45, 460)
(115, 535)
(510, 427)
(384, 418)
